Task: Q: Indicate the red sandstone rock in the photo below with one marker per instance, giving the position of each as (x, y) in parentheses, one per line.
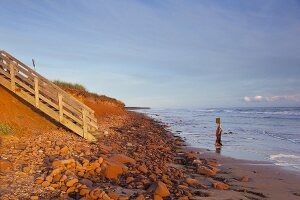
(206, 171)
(5, 166)
(220, 186)
(123, 159)
(71, 182)
(113, 170)
(143, 169)
(113, 195)
(161, 189)
(140, 197)
(244, 179)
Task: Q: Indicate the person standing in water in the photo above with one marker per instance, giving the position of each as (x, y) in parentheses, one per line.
(218, 132)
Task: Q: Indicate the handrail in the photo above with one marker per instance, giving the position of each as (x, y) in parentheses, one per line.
(46, 96)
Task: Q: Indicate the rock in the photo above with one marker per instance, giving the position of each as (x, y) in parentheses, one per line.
(26, 169)
(161, 189)
(86, 182)
(129, 179)
(113, 195)
(5, 166)
(220, 186)
(105, 149)
(157, 197)
(183, 198)
(84, 191)
(45, 184)
(191, 155)
(192, 182)
(197, 162)
(123, 159)
(143, 169)
(39, 180)
(34, 198)
(113, 170)
(244, 179)
(49, 179)
(100, 160)
(206, 171)
(213, 163)
(71, 182)
(64, 151)
(140, 197)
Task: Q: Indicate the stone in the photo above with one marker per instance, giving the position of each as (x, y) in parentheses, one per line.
(140, 197)
(220, 186)
(34, 198)
(39, 180)
(45, 184)
(113, 170)
(63, 178)
(197, 162)
(192, 182)
(157, 197)
(55, 172)
(86, 182)
(244, 179)
(64, 151)
(206, 171)
(5, 166)
(143, 169)
(49, 179)
(129, 179)
(84, 192)
(71, 182)
(70, 189)
(26, 169)
(123, 159)
(100, 160)
(161, 189)
(113, 195)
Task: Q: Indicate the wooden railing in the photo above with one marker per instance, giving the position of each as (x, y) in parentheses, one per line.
(46, 96)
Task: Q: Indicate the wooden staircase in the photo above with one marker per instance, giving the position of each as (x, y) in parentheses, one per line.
(47, 97)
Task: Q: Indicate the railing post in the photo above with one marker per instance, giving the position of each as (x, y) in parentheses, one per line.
(36, 92)
(84, 122)
(12, 76)
(60, 106)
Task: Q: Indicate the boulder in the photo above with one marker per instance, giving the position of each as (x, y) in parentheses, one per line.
(113, 170)
(160, 189)
(123, 159)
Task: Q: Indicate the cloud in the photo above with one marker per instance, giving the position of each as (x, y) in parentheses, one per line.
(295, 98)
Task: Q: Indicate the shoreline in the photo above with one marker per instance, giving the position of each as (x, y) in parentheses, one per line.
(265, 178)
(136, 157)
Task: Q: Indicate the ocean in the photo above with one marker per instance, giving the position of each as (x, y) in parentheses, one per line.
(260, 134)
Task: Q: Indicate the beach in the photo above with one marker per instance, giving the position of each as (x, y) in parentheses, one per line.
(135, 157)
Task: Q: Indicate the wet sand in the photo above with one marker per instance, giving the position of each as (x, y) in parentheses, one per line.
(265, 180)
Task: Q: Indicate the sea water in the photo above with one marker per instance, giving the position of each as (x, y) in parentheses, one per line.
(261, 134)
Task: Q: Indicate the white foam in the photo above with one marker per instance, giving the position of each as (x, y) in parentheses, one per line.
(286, 159)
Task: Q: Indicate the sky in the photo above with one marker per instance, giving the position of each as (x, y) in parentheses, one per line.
(163, 53)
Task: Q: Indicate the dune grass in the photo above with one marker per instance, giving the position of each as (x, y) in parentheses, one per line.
(67, 85)
(6, 129)
(81, 89)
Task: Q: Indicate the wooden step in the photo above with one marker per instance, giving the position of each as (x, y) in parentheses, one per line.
(47, 97)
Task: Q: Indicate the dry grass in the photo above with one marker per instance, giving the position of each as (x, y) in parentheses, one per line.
(71, 86)
(80, 89)
(6, 129)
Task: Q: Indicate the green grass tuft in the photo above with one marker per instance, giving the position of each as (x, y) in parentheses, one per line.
(6, 129)
(67, 85)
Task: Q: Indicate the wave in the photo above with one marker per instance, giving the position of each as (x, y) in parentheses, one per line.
(286, 159)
